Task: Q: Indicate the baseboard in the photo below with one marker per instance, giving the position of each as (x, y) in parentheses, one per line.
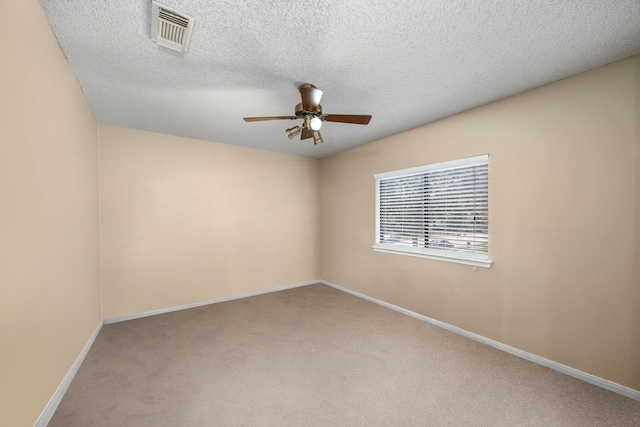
(51, 407)
(592, 379)
(201, 303)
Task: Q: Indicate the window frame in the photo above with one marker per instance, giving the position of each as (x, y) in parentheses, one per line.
(477, 260)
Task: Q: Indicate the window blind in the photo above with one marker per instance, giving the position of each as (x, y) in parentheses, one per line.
(442, 207)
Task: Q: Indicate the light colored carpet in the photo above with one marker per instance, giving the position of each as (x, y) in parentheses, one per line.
(316, 356)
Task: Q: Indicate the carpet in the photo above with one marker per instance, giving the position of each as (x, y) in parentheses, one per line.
(317, 356)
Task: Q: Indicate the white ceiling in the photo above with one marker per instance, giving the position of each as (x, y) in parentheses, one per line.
(407, 63)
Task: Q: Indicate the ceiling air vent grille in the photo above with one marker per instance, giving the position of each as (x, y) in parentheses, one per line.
(170, 28)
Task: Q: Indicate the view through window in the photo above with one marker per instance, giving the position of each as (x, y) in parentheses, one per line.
(439, 210)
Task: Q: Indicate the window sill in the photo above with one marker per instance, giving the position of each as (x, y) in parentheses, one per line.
(433, 254)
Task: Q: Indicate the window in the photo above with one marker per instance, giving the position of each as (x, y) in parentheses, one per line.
(438, 211)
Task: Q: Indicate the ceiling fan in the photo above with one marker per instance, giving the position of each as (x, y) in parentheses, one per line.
(310, 111)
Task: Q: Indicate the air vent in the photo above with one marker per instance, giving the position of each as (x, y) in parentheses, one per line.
(170, 28)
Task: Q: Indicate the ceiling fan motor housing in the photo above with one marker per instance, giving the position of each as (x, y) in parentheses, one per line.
(301, 112)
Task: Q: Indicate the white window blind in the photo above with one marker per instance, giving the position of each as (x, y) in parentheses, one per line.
(439, 211)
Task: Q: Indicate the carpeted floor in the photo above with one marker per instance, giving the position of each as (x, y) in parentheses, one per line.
(316, 356)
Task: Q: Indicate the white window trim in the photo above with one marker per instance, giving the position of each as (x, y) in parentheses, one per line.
(428, 253)
(431, 254)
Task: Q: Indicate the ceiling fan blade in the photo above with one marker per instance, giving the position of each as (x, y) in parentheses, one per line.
(311, 96)
(306, 133)
(347, 118)
(262, 119)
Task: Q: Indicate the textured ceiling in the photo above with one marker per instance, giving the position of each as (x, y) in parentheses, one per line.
(407, 63)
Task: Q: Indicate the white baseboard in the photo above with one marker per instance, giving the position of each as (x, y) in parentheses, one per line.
(592, 379)
(201, 303)
(51, 407)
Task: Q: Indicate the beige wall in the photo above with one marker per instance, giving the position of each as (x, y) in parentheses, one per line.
(635, 331)
(185, 220)
(563, 207)
(49, 260)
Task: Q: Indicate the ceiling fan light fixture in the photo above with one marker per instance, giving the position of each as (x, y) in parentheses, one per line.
(317, 138)
(315, 123)
(293, 131)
